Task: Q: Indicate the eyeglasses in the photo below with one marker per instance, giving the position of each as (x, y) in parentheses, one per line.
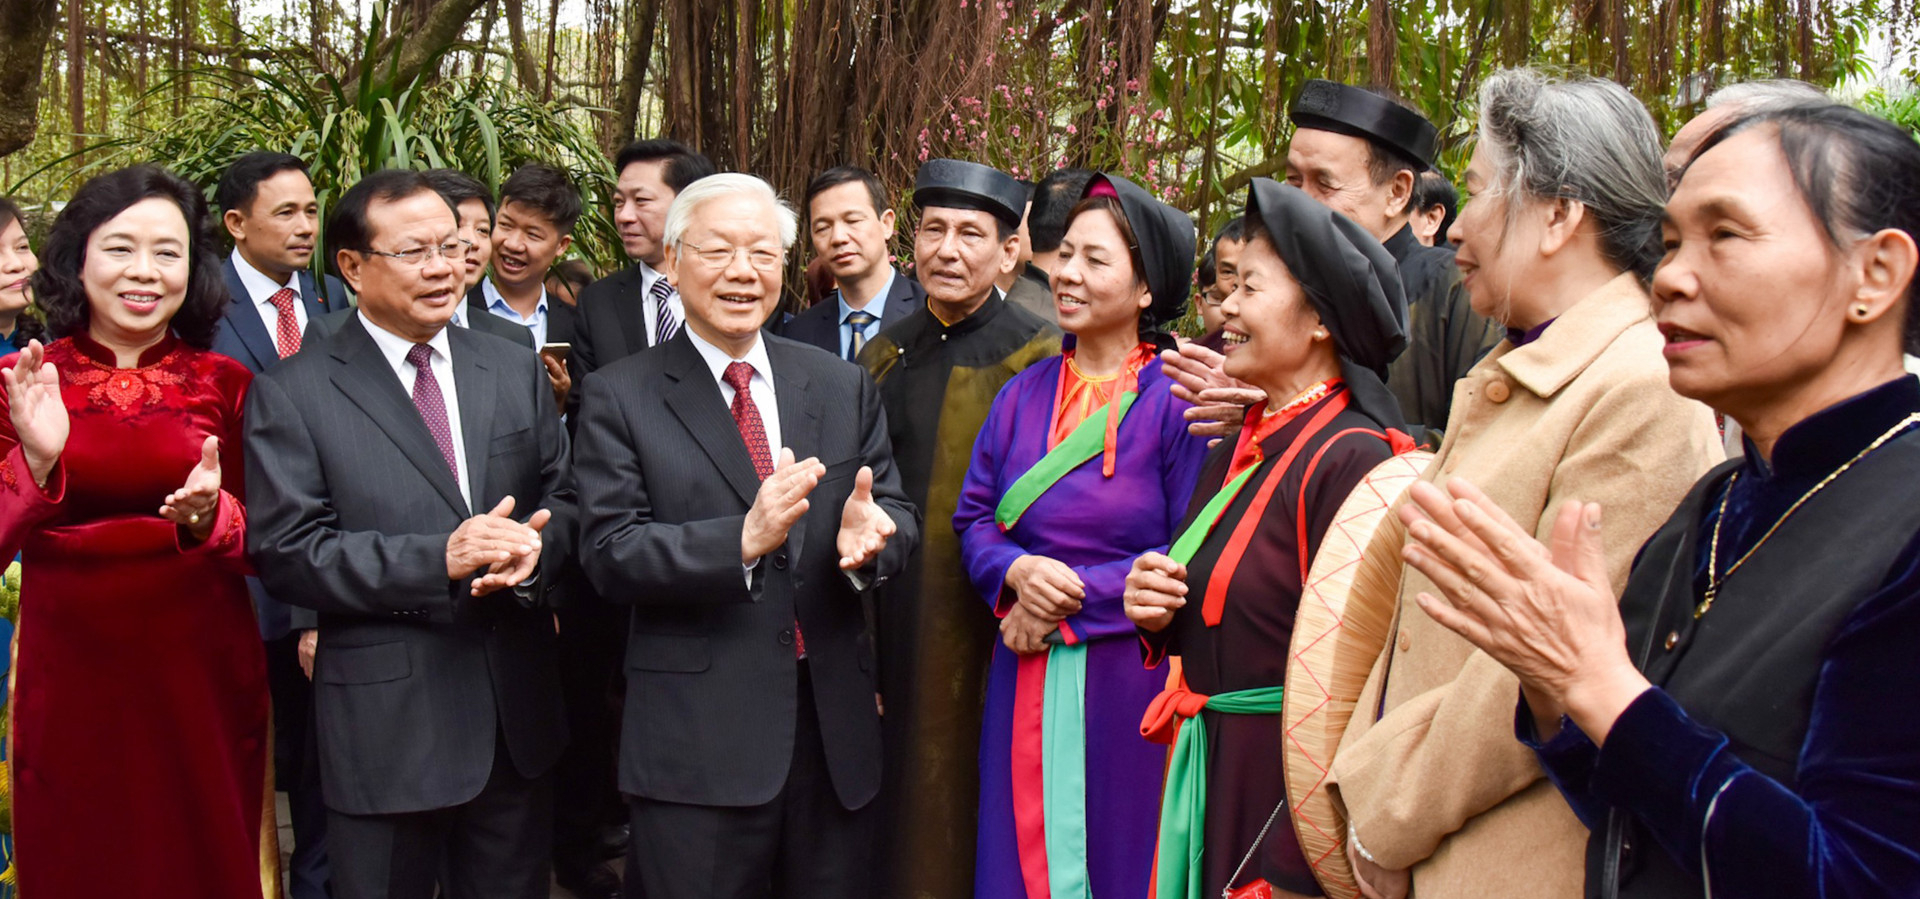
(417, 257)
(718, 258)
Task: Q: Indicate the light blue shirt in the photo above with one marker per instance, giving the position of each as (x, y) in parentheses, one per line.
(875, 307)
(497, 304)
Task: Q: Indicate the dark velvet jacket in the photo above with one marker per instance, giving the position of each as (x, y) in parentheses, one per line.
(1778, 752)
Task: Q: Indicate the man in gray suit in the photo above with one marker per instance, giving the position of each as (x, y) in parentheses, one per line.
(267, 206)
(386, 463)
(750, 749)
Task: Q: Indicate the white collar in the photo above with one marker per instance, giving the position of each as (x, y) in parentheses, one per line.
(395, 347)
(717, 359)
(260, 287)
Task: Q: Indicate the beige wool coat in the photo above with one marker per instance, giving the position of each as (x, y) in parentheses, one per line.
(1439, 784)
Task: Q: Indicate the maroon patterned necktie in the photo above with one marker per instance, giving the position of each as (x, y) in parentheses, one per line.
(753, 432)
(286, 331)
(432, 405)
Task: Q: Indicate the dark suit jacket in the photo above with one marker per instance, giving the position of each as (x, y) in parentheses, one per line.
(560, 319)
(350, 516)
(665, 484)
(244, 337)
(820, 325)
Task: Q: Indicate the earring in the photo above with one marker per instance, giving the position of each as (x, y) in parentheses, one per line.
(1319, 333)
(1860, 310)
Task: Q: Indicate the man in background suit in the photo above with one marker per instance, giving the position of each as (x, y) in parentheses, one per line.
(636, 307)
(751, 742)
(268, 207)
(531, 228)
(851, 223)
(386, 465)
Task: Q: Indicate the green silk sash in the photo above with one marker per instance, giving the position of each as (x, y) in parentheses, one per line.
(1063, 771)
(1089, 439)
(1183, 807)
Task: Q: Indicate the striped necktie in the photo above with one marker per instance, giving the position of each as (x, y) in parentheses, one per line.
(666, 325)
(859, 319)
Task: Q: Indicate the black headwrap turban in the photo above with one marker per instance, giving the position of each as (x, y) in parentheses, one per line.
(958, 184)
(1166, 240)
(1351, 281)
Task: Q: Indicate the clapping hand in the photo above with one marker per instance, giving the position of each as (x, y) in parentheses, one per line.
(864, 526)
(778, 506)
(194, 504)
(39, 415)
(496, 542)
(1219, 401)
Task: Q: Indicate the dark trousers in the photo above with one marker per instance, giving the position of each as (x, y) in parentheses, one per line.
(494, 846)
(802, 845)
(296, 767)
(593, 638)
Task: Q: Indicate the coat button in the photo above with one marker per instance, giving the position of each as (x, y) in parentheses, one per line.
(1406, 643)
(1497, 391)
(780, 560)
(786, 637)
(1673, 639)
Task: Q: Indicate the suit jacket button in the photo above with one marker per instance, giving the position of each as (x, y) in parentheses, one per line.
(786, 637)
(780, 560)
(1497, 391)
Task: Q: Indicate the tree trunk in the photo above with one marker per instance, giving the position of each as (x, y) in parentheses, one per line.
(643, 17)
(25, 28)
(76, 74)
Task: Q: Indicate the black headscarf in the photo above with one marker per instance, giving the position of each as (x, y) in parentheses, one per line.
(1166, 240)
(1351, 281)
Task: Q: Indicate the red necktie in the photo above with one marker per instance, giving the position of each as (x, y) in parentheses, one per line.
(432, 405)
(286, 330)
(746, 416)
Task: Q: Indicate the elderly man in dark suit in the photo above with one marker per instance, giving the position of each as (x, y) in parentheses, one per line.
(751, 743)
(851, 224)
(386, 465)
(268, 207)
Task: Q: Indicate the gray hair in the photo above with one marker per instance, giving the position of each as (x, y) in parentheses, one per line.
(1581, 139)
(1768, 95)
(728, 184)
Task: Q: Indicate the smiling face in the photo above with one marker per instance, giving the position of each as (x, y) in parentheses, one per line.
(525, 244)
(1272, 331)
(476, 234)
(1752, 296)
(414, 299)
(848, 232)
(1095, 287)
(1333, 169)
(17, 265)
(135, 273)
(641, 198)
(957, 254)
(1497, 252)
(275, 233)
(727, 302)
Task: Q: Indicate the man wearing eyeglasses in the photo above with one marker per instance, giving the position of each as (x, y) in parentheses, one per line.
(409, 482)
(738, 491)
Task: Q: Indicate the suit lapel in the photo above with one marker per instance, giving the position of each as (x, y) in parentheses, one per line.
(366, 379)
(799, 416)
(247, 324)
(633, 313)
(310, 295)
(902, 300)
(473, 380)
(697, 401)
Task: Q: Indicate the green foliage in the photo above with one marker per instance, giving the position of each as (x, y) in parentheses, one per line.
(485, 127)
(1900, 106)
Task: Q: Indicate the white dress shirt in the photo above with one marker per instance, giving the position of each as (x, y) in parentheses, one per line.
(260, 290)
(652, 312)
(498, 305)
(759, 387)
(395, 349)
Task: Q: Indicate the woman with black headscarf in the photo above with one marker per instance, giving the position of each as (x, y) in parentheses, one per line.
(1316, 318)
(1084, 463)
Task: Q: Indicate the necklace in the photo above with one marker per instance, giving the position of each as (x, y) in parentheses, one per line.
(1713, 546)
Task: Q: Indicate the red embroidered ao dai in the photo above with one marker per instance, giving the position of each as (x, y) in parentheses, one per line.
(140, 720)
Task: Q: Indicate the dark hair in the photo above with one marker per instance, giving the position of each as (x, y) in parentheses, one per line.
(10, 213)
(348, 227)
(1234, 231)
(459, 187)
(683, 165)
(57, 287)
(1054, 202)
(1208, 276)
(546, 190)
(28, 326)
(847, 174)
(1859, 173)
(1433, 189)
(240, 184)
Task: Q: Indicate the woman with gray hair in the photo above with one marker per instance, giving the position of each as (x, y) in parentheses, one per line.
(1557, 239)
